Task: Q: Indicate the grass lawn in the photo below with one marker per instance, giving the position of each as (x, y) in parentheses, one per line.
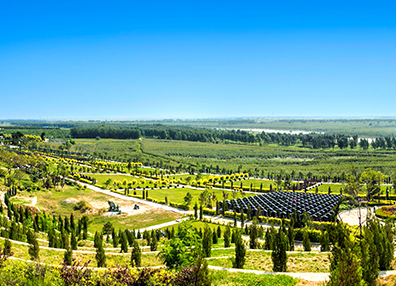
(260, 260)
(225, 278)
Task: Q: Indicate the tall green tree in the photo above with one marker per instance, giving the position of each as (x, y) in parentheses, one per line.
(227, 239)
(240, 250)
(279, 255)
(136, 255)
(253, 234)
(207, 241)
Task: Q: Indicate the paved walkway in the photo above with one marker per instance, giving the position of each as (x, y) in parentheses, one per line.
(351, 217)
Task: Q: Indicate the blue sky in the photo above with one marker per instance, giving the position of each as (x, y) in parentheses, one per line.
(197, 59)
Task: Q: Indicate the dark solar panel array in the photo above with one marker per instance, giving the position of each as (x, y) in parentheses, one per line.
(283, 204)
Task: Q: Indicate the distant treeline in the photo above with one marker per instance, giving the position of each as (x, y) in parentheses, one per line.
(104, 132)
(38, 131)
(159, 131)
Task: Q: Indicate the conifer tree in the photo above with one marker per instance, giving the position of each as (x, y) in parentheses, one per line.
(136, 255)
(207, 241)
(67, 258)
(306, 241)
(218, 232)
(215, 238)
(153, 243)
(324, 241)
(240, 251)
(345, 264)
(369, 258)
(196, 210)
(72, 223)
(253, 234)
(124, 243)
(279, 255)
(33, 245)
(73, 241)
(291, 234)
(115, 238)
(200, 212)
(7, 247)
(100, 253)
(227, 237)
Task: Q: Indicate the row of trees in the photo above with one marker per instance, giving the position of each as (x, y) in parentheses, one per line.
(311, 140)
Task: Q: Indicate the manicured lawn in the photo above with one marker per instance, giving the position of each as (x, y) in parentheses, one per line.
(260, 260)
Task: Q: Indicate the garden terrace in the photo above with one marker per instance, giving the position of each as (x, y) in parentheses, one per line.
(320, 207)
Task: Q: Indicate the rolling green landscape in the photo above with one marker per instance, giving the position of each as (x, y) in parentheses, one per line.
(72, 200)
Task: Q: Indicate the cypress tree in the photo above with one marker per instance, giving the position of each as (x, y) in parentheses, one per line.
(324, 241)
(200, 212)
(215, 238)
(240, 251)
(73, 241)
(249, 213)
(115, 238)
(96, 240)
(207, 241)
(369, 258)
(7, 247)
(72, 223)
(100, 253)
(136, 255)
(235, 218)
(306, 241)
(153, 243)
(253, 243)
(51, 235)
(67, 228)
(345, 265)
(130, 236)
(196, 210)
(279, 255)
(227, 235)
(34, 247)
(218, 232)
(67, 258)
(233, 235)
(291, 235)
(242, 219)
(124, 243)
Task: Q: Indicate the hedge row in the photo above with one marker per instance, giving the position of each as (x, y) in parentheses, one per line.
(381, 214)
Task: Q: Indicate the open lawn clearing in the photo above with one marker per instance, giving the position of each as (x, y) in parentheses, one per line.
(63, 202)
(226, 278)
(50, 256)
(260, 260)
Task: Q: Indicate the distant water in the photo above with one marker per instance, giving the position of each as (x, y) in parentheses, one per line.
(273, 130)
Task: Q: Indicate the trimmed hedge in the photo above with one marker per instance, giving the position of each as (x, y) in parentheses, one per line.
(314, 235)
